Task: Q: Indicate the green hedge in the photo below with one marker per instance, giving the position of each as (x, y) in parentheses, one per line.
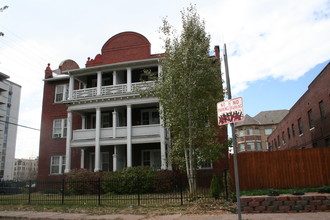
(129, 181)
(82, 181)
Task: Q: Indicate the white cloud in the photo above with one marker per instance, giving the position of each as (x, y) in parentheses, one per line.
(279, 39)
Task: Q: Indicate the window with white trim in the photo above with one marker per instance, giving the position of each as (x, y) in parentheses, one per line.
(59, 128)
(57, 164)
(104, 160)
(268, 130)
(250, 146)
(151, 158)
(258, 144)
(105, 120)
(61, 92)
(240, 133)
(150, 116)
(205, 165)
(249, 131)
(241, 147)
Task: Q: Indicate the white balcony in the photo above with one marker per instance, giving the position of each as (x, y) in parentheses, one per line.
(113, 90)
(141, 131)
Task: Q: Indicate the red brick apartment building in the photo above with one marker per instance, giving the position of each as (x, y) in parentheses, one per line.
(307, 124)
(94, 117)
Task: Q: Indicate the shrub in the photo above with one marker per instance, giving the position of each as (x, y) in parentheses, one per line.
(129, 181)
(273, 192)
(324, 189)
(164, 181)
(216, 187)
(298, 193)
(83, 181)
(112, 182)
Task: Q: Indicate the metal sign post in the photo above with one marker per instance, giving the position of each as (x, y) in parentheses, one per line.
(234, 140)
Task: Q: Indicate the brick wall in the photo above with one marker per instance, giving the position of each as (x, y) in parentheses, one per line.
(285, 203)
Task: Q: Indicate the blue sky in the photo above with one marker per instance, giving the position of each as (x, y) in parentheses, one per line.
(276, 94)
(272, 45)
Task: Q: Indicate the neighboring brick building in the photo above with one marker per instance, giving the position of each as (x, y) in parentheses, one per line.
(94, 117)
(252, 133)
(307, 124)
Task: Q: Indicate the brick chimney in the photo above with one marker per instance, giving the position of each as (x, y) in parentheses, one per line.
(217, 52)
(48, 72)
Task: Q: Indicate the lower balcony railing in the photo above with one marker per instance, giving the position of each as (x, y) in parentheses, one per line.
(120, 132)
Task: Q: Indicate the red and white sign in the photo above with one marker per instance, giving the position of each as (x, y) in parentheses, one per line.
(230, 111)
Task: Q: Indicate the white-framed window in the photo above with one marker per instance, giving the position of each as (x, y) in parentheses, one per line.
(258, 146)
(104, 161)
(59, 128)
(256, 131)
(150, 116)
(61, 92)
(241, 147)
(250, 146)
(240, 132)
(105, 120)
(268, 130)
(249, 131)
(151, 158)
(57, 164)
(205, 165)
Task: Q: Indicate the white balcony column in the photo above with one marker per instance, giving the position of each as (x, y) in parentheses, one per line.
(114, 78)
(114, 123)
(99, 83)
(71, 87)
(129, 79)
(129, 135)
(159, 71)
(114, 158)
(82, 158)
(162, 143)
(68, 143)
(97, 141)
(83, 122)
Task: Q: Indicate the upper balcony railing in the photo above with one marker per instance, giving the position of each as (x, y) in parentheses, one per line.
(110, 90)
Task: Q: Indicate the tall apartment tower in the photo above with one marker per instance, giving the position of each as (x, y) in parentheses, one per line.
(95, 117)
(9, 107)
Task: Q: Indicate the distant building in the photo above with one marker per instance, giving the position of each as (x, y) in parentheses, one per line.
(9, 107)
(307, 124)
(25, 169)
(252, 133)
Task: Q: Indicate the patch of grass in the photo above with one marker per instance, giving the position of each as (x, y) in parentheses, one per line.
(196, 207)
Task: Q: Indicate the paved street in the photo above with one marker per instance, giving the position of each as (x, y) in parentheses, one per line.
(67, 216)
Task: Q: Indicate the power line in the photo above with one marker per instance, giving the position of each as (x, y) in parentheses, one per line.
(20, 125)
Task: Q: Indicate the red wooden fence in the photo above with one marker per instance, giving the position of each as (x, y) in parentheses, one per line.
(283, 169)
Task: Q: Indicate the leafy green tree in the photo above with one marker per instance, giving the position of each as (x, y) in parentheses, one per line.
(188, 89)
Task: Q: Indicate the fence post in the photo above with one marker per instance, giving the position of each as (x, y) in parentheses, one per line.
(29, 192)
(99, 192)
(181, 190)
(62, 191)
(226, 185)
(139, 191)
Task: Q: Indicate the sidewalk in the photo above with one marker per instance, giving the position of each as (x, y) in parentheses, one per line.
(68, 216)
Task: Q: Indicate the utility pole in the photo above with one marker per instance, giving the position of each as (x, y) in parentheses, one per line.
(234, 139)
